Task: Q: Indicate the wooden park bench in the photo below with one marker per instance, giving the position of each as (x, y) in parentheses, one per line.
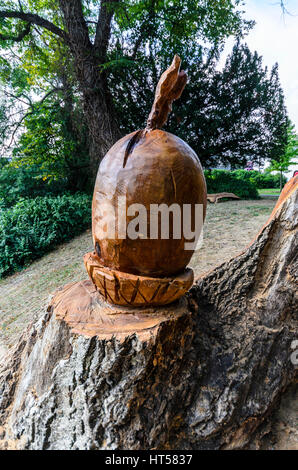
(215, 197)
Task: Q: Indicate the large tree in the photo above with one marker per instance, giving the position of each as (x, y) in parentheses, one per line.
(89, 33)
(284, 160)
(227, 115)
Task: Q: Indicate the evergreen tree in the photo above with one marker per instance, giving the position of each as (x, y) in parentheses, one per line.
(232, 116)
(282, 162)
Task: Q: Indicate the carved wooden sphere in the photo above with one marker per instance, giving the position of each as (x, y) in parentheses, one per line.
(160, 169)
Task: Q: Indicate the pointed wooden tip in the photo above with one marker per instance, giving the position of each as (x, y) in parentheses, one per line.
(169, 88)
(176, 61)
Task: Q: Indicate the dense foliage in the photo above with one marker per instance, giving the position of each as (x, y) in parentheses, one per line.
(243, 183)
(227, 116)
(33, 227)
(219, 181)
(260, 180)
(230, 115)
(45, 44)
(55, 144)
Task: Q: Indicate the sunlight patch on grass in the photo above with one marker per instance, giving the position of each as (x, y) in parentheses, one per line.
(274, 191)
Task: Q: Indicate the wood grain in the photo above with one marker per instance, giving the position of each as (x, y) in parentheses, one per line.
(216, 196)
(136, 291)
(87, 313)
(169, 88)
(161, 169)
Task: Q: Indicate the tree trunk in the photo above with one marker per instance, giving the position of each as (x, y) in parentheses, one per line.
(205, 373)
(88, 60)
(102, 124)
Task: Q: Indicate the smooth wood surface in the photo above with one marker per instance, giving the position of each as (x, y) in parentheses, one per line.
(87, 313)
(169, 88)
(161, 169)
(136, 291)
(149, 166)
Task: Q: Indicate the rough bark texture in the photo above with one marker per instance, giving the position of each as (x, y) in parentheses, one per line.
(215, 197)
(88, 59)
(205, 375)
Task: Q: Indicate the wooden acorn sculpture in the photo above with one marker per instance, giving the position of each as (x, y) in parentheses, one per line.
(147, 167)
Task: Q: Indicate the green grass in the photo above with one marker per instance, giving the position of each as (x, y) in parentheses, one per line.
(257, 210)
(274, 191)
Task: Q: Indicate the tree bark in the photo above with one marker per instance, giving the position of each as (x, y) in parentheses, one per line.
(205, 373)
(89, 59)
(102, 124)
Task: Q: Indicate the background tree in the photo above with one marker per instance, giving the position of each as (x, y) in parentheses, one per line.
(41, 124)
(89, 35)
(282, 162)
(229, 116)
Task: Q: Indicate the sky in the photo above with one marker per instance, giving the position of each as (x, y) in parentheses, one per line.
(275, 37)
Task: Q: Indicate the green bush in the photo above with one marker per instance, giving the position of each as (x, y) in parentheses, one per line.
(219, 181)
(25, 182)
(261, 180)
(34, 226)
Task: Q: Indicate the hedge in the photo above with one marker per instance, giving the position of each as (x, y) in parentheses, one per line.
(33, 227)
(261, 180)
(219, 181)
(25, 182)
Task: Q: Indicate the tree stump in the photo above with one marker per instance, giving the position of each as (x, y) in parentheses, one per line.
(202, 373)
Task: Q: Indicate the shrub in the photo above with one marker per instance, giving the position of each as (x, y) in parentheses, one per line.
(25, 182)
(261, 180)
(34, 226)
(219, 181)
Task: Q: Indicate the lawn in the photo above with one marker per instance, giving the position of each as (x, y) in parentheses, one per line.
(229, 227)
(275, 191)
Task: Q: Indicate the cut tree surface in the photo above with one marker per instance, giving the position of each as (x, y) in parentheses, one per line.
(205, 374)
(87, 313)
